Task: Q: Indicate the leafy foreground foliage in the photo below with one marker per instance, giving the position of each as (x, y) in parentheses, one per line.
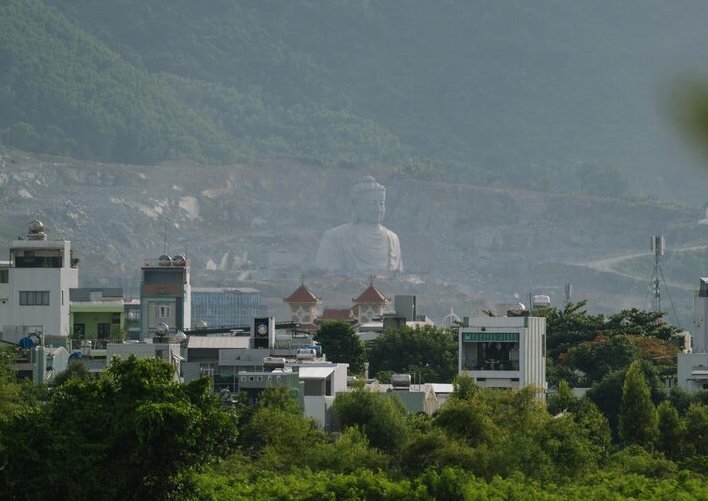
(135, 433)
(481, 445)
(130, 434)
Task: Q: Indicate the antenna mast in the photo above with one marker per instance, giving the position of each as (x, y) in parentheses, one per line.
(164, 238)
(657, 246)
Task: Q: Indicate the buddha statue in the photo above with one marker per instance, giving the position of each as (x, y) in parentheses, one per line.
(364, 246)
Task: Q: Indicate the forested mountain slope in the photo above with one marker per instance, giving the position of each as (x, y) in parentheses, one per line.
(519, 94)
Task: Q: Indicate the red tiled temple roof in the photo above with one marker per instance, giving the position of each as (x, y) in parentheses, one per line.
(302, 295)
(371, 295)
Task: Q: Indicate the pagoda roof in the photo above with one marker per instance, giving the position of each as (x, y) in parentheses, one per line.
(371, 295)
(302, 295)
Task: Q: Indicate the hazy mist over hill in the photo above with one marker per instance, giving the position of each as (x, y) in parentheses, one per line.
(507, 94)
(522, 143)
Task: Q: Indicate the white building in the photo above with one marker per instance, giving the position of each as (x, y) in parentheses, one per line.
(504, 352)
(692, 368)
(40, 274)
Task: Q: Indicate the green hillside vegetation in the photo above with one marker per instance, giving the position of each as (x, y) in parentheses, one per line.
(63, 91)
(507, 94)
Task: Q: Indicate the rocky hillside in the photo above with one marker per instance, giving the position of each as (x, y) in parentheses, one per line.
(260, 224)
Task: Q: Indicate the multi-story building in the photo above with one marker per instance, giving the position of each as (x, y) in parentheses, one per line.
(97, 313)
(504, 352)
(217, 306)
(165, 295)
(40, 274)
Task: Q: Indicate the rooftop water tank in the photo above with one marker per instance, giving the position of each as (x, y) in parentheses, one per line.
(401, 380)
(306, 354)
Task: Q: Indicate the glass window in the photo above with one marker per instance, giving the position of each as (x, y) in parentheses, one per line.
(490, 356)
(3, 276)
(34, 298)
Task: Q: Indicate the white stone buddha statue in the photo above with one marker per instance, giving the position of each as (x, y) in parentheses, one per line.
(364, 246)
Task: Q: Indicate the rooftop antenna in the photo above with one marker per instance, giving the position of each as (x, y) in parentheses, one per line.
(658, 246)
(568, 292)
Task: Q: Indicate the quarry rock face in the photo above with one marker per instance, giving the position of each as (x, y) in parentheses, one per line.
(260, 225)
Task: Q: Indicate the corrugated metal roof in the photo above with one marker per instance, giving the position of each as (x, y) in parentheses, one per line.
(218, 342)
(315, 372)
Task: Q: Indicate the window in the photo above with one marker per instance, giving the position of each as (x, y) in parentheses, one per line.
(104, 330)
(79, 329)
(3, 276)
(164, 311)
(34, 298)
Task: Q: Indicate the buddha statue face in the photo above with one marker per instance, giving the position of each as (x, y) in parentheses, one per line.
(370, 206)
(368, 201)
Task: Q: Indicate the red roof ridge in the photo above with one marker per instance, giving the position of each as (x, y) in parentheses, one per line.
(371, 295)
(302, 295)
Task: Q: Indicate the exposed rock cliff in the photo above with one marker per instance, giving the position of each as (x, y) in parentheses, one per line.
(260, 224)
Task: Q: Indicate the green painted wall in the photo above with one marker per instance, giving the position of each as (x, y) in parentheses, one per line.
(91, 319)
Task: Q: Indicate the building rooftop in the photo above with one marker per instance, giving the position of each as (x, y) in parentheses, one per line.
(225, 290)
(315, 372)
(216, 342)
(371, 295)
(302, 295)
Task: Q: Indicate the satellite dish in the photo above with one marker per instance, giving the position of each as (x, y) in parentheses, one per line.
(164, 260)
(179, 337)
(517, 310)
(202, 324)
(36, 226)
(162, 328)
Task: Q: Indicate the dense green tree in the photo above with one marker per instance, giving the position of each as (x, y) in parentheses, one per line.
(641, 323)
(76, 369)
(429, 354)
(137, 431)
(467, 419)
(680, 399)
(380, 417)
(697, 428)
(10, 390)
(569, 326)
(672, 430)
(562, 400)
(638, 417)
(342, 344)
(601, 356)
